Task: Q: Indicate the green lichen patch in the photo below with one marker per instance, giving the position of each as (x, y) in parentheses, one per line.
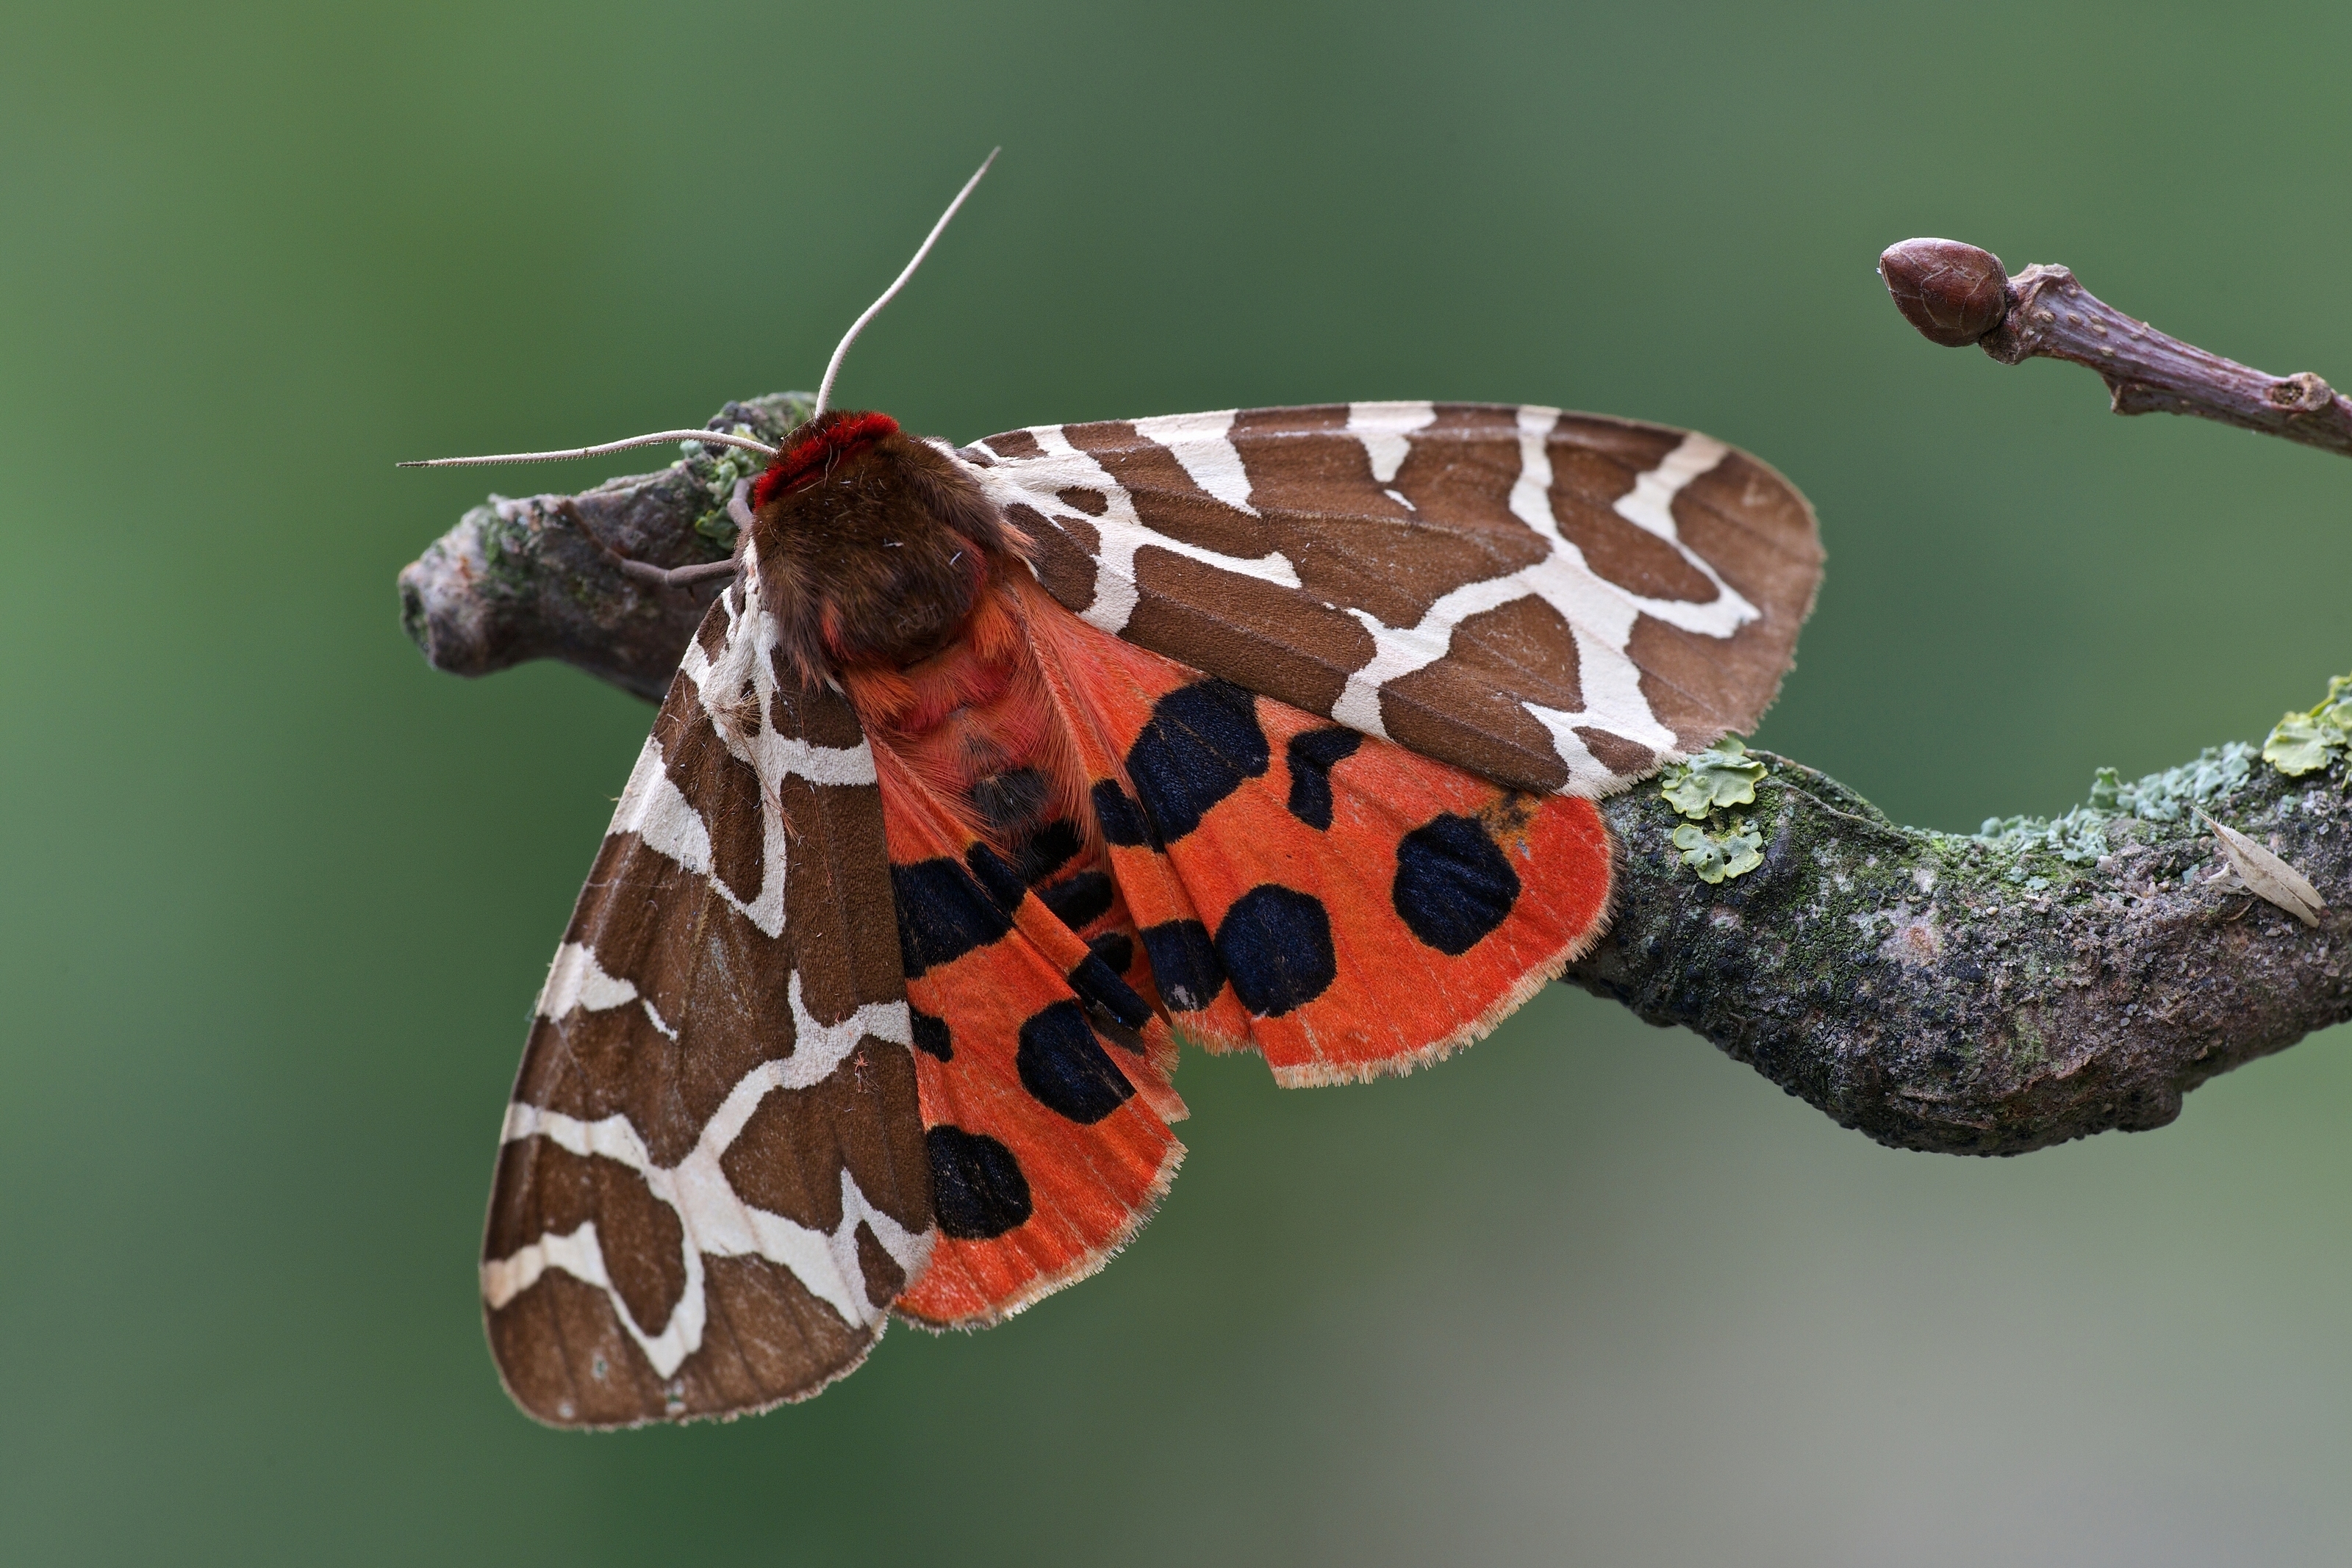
(1715, 857)
(2081, 836)
(719, 469)
(1722, 775)
(2303, 743)
(2028, 1047)
(2300, 744)
(506, 545)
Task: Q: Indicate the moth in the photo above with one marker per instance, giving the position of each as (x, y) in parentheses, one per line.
(997, 769)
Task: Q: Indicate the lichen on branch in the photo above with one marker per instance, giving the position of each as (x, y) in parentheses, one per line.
(1993, 992)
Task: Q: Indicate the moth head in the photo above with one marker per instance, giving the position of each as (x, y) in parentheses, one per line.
(873, 544)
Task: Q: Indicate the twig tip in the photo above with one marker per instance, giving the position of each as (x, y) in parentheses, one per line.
(1953, 292)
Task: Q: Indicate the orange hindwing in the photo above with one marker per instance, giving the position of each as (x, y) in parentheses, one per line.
(1043, 1074)
(1347, 907)
(1091, 843)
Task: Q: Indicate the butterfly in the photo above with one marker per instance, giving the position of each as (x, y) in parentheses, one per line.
(996, 770)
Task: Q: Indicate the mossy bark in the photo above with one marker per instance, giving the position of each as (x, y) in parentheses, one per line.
(1914, 986)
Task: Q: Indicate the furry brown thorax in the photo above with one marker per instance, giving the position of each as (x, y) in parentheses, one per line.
(873, 544)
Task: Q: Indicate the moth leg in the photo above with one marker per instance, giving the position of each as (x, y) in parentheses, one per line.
(676, 576)
(666, 576)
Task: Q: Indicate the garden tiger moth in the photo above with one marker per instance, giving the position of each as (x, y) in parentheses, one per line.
(994, 770)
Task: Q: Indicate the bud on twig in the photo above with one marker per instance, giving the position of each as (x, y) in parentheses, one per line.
(1953, 292)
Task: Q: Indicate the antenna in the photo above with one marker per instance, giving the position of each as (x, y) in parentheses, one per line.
(722, 438)
(832, 366)
(707, 437)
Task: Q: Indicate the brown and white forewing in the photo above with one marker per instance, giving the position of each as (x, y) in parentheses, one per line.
(1559, 601)
(713, 1181)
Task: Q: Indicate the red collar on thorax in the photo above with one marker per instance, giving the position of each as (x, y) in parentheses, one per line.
(815, 453)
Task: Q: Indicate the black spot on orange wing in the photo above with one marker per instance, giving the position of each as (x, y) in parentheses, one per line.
(1046, 1126)
(1114, 948)
(1303, 896)
(1099, 984)
(1003, 881)
(1065, 1067)
(977, 1189)
(1078, 901)
(1014, 803)
(1199, 746)
(932, 1036)
(1123, 822)
(1130, 1041)
(943, 913)
(1183, 964)
(1048, 849)
(1312, 756)
(1452, 884)
(1275, 943)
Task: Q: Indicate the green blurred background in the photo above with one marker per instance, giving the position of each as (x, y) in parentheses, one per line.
(277, 896)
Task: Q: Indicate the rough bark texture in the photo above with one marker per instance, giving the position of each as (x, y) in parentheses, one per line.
(1994, 993)
(1979, 994)
(540, 578)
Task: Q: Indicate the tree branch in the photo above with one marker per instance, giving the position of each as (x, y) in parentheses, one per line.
(1957, 294)
(572, 577)
(1971, 994)
(1988, 993)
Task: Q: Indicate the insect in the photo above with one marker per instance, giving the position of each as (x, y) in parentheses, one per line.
(994, 770)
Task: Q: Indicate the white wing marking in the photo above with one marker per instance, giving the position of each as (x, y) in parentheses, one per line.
(1599, 613)
(576, 980)
(741, 679)
(657, 812)
(1531, 492)
(1650, 503)
(576, 1252)
(1383, 428)
(714, 1219)
(1584, 769)
(1033, 481)
(1203, 445)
